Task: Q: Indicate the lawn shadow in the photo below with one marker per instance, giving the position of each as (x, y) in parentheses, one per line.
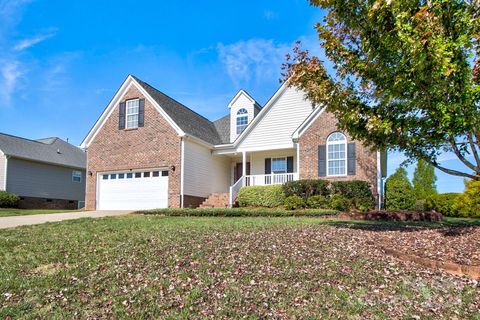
(449, 227)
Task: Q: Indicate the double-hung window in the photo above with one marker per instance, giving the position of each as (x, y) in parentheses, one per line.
(279, 165)
(132, 113)
(76, 176)
(337, 154)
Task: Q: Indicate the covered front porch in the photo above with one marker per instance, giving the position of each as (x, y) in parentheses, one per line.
(262, 168)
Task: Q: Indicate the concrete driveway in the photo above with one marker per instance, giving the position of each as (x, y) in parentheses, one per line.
(11, 222)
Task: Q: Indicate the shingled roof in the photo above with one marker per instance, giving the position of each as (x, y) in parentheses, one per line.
(49, 150)
(223, 128)
(188, 120)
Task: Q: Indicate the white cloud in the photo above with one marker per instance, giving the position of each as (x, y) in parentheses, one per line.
(10, 74)
(270, 15)
(14, 64)
(29, 42)
(257, 59)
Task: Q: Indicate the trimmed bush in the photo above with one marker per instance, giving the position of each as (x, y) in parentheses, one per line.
(352, 189)
(443, 203)
(8, 200)
(399, 192)
(306, 188)
(261, 196)
(237, 212)
(363, 204)
(294, 203)
(468, 203)
(340, 203)
(420, 205)
(318, 202)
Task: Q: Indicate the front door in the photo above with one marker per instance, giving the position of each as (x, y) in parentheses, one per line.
(238, 171)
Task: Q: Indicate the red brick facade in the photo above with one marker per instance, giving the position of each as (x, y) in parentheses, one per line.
(317, 134)
(156, 145)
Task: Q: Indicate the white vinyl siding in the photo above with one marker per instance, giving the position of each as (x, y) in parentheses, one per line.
(257, 159)
(204, 173)
(242, 102)
(276, 127)
(3, 167)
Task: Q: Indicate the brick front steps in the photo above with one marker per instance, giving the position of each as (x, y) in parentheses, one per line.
(472, 272)
(216, 200)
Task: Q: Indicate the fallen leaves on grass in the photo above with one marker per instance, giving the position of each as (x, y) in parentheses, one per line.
(229, 268)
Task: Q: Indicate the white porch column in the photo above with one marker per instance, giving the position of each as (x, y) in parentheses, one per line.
(244, 164)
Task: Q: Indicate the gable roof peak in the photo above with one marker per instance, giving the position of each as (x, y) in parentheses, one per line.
(247, 95)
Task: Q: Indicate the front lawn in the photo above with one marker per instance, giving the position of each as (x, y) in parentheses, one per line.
(27, 212)
(176, 267)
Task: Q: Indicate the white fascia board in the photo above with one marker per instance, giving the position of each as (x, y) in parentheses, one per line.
(308, 122)
(130, 81)
(198, 141)
(224, 151)
(254, 149)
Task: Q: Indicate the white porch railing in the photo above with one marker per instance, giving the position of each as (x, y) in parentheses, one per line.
(260, 180)
(235, 189)
(269, 179)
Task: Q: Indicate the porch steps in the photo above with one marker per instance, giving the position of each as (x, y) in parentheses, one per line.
(216, 200)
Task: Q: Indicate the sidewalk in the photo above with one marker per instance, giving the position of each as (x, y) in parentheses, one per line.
(12, 222)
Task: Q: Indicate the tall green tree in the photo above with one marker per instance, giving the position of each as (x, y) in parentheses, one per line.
(424, 179)
(399, 192)
(407, 76)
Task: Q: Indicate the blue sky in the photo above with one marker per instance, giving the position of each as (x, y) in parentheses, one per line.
(62, 61)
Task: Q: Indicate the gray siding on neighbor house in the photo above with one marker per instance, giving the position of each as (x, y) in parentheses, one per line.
(35, 179)
(3, 163)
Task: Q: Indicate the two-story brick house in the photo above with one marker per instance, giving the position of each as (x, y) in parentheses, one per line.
(149, 151)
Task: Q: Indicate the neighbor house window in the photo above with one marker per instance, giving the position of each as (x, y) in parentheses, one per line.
(337, 154)
(242, 120)
(279, 165)
(132, 113)
(76, 176)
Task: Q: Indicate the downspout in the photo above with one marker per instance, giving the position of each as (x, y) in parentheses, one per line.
(182, 169)
(379, 180)
(298, 158)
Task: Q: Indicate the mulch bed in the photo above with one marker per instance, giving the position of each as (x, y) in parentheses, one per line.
(452, 249)
(399, 215)
(458, 245)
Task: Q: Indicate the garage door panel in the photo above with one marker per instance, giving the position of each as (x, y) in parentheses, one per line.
(132, 193)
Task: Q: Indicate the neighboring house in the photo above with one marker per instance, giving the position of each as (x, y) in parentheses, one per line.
(149, 151)
(45, 173)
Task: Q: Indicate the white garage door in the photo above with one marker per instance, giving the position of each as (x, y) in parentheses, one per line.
(133, 190)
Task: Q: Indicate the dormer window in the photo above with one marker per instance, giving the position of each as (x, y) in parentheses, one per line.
(242, 120)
